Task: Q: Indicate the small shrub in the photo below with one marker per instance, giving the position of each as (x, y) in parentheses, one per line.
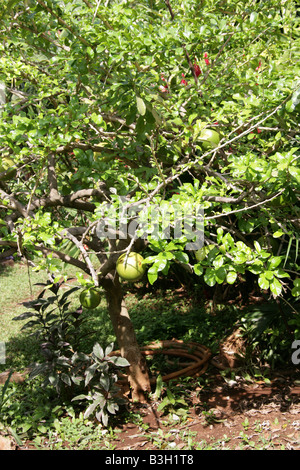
(100, 377)
(71, 372)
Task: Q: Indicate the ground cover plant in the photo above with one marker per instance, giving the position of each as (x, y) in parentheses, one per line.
(154, 144)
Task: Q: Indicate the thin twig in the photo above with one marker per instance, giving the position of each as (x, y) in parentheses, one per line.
(79, 244)
(246, 208)
(170, 9)
(95, 14)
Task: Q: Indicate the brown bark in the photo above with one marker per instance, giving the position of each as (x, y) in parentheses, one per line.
(138, 376)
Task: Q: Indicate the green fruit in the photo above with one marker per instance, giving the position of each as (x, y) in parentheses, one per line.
(209, 138)
(90, 298)
(131, 269)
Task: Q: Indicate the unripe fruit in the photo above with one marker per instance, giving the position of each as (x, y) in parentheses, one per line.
(90, 298)
(131, 269)
(209, 138)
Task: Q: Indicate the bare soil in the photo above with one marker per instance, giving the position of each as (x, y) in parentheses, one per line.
(235, 417)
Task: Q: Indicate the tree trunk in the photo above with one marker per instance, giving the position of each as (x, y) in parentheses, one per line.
(138, 376)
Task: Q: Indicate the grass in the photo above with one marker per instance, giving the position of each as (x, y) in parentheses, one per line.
(19, 284)
(16, 287)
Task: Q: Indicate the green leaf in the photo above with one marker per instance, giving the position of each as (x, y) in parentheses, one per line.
(218, 261)
(220, 275)
(278, 234)
(90, 409)
(275, 287)
(274, 262)
(97, 118)
(263, 282)
(198, 269)
(121, 362)
(296, 291)
(269, 275)
(98, 351)
(90, 372)
(16, 437)
(42, 429)
(24, 316)
(295, 172)
(112, 408)
(281, 273)
(257, 246)
(161, 262)
(152, 274)
(182, 257)
(220, 232)
(231, 277)
(296, 288)
(253, 17)
(104, 381)
(240, 258)
(140, 106)
(109, 349)
(79, 397)
(210, 277)
(290, 106)
(65, 378)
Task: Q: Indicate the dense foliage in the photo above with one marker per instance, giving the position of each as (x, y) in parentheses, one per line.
(103, 105)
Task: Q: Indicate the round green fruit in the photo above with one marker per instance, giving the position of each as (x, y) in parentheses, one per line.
(209, 138)
(90, 298)
(131, 269)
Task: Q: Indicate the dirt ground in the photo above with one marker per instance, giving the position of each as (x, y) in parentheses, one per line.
(233, 417)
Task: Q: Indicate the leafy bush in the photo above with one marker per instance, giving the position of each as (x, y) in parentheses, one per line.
(65, 368)
(56, 327)
(270, 330)
(100, 377)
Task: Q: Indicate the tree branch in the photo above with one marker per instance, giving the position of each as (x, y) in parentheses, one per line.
(170, 9)
(247, 208)
(56, 253)
(191, 66)
(73, 200)
(52, 177)
(14, 204)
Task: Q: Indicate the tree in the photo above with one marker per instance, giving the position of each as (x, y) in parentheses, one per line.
(105, 105)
